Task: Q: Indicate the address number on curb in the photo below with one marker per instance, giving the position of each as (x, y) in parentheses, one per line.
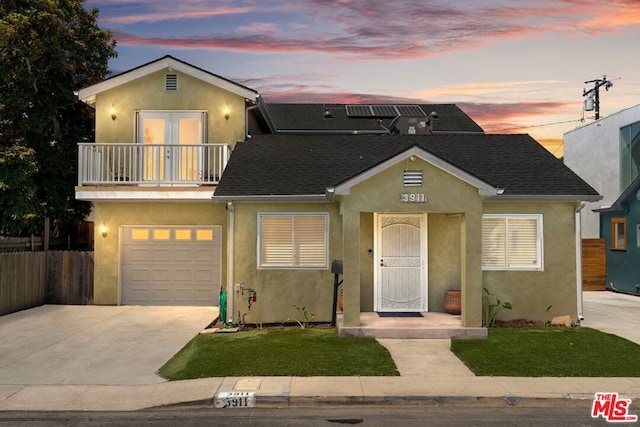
(235, 399)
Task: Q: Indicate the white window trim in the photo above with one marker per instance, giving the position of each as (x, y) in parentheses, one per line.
(539, 266)
(291, 266)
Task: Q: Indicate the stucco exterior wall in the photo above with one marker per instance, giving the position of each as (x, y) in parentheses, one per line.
(445, 260)
(147, 93)
(366, 261)
(460, 206)
(593, 152)
(623, 269)
(279, 289)
(116, 214)
(531, 292)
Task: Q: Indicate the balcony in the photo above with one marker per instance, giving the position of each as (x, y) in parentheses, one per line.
(151, 165)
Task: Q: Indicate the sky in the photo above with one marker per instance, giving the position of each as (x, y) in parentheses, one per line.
(514, 66)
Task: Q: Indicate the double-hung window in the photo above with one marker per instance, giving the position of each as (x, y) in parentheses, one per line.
(512, 242)
(293, 240)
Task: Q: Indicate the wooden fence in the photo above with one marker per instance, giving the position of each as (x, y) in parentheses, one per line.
(594, 272)
(69, 277)
(30, 279)
(22, 281)
(21, 244)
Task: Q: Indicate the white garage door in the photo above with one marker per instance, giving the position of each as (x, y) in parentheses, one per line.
(169, 265)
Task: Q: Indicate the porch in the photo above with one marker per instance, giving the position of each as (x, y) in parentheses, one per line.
(432, 325)
(151, 165)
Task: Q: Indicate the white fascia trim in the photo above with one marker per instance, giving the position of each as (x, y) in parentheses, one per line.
(484, 188)
(143, 195)
(273, 198)
(544, 198)
(88, 94)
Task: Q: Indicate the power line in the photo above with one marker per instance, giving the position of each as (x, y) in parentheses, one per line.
(541, 125)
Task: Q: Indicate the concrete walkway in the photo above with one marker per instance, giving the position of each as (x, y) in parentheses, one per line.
(614, 313)
(431, 375)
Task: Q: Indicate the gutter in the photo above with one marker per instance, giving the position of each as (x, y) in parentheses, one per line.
(230, 264)
(364, 132)
(273, 198)
(331, 132)
(578, 234)
(543, 198)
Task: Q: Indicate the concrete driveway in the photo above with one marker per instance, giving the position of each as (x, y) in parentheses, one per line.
(123, 345)
(614, 313)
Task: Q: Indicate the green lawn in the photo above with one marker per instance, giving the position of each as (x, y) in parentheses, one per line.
(550, 352)
(296, 352)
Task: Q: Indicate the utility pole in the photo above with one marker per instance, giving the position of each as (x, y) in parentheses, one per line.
(593, 94)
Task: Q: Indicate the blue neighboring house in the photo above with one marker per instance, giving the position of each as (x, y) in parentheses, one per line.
(620, 228)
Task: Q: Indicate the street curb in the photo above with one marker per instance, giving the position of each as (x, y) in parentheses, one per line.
(508, 401)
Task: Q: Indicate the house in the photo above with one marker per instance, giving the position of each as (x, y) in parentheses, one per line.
(199, 186)
(620, 228)
(606, 154)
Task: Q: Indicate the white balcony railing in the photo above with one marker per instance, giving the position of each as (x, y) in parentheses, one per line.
(151, 164)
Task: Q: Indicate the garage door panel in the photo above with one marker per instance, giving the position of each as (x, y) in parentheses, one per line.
(161, 274)
(161, 295)
(204, 275)
(168, 268)
(161, 254)
(204, 295)
(138, 295)
(184, 295)
(135, 254)
(183, 275)
(183, 254)
(206, 254)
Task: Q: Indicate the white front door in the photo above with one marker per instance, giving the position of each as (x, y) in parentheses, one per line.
(171, 145)
(400, 262)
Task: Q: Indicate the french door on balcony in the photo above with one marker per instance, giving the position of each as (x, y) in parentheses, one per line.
(171, 145)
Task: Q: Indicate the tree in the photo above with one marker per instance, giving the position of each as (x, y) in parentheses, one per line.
(18, 202)
(48, 49)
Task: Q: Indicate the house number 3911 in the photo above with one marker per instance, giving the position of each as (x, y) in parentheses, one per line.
(413, 198)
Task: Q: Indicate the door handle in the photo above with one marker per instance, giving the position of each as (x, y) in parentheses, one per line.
(381, 263)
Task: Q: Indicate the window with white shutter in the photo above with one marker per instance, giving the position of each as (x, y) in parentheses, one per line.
(292, 240)
(512, 242)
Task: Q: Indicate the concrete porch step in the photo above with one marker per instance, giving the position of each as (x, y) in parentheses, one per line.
(430, 326)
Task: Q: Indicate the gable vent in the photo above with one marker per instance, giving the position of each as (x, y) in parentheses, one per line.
(170, 82)
(412, 178)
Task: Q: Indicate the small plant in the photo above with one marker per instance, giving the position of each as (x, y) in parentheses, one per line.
(305, 314)
(491, 306)
(547, 321)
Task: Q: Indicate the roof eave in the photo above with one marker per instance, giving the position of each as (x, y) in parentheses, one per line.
(484, 188)
(273, 198)
(544, 197)
(89, 93)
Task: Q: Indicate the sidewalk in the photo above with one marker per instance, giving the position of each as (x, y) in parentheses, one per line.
(318, 391)
(430, 375)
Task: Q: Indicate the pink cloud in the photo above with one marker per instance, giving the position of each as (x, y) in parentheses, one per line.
(380, 30)
(174, 13)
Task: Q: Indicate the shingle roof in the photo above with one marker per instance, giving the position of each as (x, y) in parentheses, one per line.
(312, 117)
(308, 164)
(622, 203)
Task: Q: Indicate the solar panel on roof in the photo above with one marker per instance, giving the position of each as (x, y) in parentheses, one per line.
(410, 110)
(359, 111)
(383, 110)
